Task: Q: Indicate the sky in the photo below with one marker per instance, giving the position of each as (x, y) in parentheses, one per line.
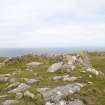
(52, 23)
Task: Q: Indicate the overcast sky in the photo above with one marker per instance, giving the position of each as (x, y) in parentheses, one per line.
(52, 23)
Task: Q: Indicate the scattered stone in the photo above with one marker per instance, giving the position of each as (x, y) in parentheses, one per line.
(32, 65)
(29, 94)
(30, 81)
(9, 102)
(55, 67)
(57, 78)
(68, 78)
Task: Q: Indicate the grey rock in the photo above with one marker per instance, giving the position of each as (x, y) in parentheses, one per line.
(30, 81)
(57, 78)
(68, 78)
(55, 67)
(57, 93)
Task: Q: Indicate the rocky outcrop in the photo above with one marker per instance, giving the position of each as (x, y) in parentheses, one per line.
(70, 62)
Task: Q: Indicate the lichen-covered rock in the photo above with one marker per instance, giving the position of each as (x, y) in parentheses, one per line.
(55, 67)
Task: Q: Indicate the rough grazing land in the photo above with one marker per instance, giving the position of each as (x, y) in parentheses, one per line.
(69, 79)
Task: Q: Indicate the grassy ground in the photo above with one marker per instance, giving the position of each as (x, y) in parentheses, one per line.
(91, 94)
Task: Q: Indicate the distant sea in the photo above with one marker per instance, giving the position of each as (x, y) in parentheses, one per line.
(13, 52)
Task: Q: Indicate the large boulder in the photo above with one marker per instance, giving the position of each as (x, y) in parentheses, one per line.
(57, 93)
(55, 67)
